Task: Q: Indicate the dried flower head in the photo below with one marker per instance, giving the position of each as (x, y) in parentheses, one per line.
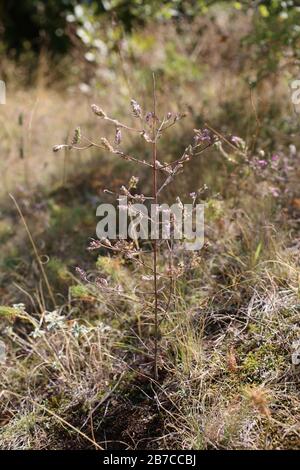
(94, 245)
(106, 242)
(118, 136)
(149, 117)
(136, 109)
(124, 191)
(82, 273)
(259, 398)
(202, 135)
(76, 137)
(106, 144)
(179, 116)
(101, 282)
(57, 148)
(98, 111)
(146, 136)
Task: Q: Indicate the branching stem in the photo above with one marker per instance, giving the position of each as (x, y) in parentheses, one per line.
(154, 158)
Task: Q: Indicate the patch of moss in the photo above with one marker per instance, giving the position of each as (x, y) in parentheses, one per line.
(113, 267)
(57, 270)
(80, 292)
(259, 363)
(9, 313)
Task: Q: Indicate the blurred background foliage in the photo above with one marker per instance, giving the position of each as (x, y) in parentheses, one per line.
(220, 61)
(98, 27)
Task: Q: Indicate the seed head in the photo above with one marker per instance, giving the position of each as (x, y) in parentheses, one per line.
(81, 273)
(107, 145)
(57, 148)
(179, 116)
(259, 398)
(124, 191)
(149, 117)
(76, 137)
(94, 245)
(202, 135)
(101, 282)
(118, 136)
(98, 111)
(146, 136)
(106, 242)
(136, 109)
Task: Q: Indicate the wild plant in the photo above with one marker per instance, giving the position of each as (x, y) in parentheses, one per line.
(150, 126)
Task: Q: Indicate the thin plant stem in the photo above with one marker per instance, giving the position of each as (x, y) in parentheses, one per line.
(154, 158)
(65, 161)
(43, 272)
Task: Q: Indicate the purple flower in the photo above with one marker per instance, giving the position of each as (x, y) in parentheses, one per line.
(275, 157)
(262, 163)
(237, 141)
(149, 117)
(202, 135)
(205, 135)
(136, 109)
(274, 191)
